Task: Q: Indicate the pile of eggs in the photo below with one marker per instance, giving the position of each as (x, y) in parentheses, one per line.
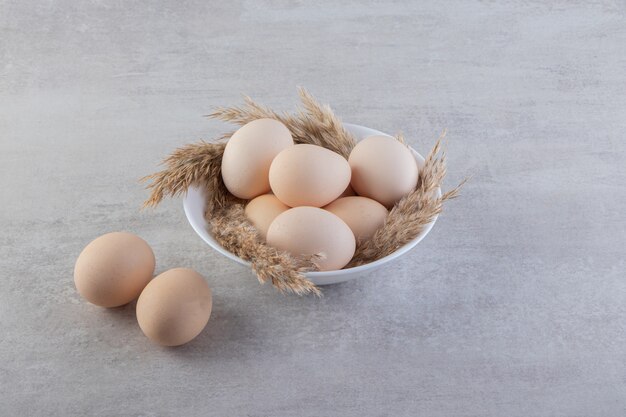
(306, 199)
(117, 268)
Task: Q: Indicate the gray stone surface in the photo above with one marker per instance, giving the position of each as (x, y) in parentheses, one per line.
(515, 304)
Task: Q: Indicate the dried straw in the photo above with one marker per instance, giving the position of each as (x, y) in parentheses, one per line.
(315, 124)
(200, 164)
(194, 164)
(412, 213)
(232, 229)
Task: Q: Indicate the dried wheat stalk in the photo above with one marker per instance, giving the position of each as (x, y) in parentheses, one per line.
(200, 164)
(232, 230)
(194, 164)
(412, 213)
(316, 124)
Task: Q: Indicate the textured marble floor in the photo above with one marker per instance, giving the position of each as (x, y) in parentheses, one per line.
(514, 305)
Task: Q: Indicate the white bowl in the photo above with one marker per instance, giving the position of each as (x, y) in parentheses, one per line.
(194, 202)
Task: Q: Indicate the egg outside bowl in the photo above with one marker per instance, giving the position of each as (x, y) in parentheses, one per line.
(194, 203)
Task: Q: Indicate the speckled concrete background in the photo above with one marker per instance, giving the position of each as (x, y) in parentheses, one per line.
(514, 305)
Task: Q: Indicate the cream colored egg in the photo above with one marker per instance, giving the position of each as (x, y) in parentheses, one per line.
(248, 155)
(174, 307)
(363, 215)
(308, 175)
(383, 169)
(311, 230)
(262, 210)
(113, 269)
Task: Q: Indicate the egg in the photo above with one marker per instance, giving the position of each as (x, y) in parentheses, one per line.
(308, 175)
(113, 269)
(262, 210)
(363, 215)
(312, 230)
(382, 169)
(248, 155)
(174, 307)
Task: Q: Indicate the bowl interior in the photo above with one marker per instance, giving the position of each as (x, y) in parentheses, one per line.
(194, 203)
